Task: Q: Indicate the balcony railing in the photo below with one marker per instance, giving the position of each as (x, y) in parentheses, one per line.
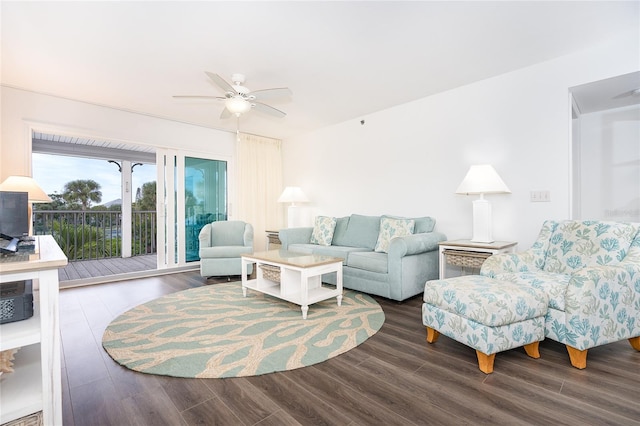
(85, 235)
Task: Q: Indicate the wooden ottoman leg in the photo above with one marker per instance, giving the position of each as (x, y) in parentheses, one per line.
(532, 349)
(485, 362)
(635, 343)
(432, 335)
(578, 358)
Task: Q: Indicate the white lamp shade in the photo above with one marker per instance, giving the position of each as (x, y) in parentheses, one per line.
(25, 184)
(482, 179)
(237, 105)
(292, 194)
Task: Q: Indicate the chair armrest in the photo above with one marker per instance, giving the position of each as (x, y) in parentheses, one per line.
(592, 286)
(601, 306)
(204, 237)
(247, 236)
(290, 236)
(415, 244)
(524, 261)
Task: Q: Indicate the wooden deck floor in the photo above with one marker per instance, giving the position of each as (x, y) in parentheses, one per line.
(91, 269)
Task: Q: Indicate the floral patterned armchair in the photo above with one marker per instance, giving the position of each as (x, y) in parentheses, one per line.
(591, 273)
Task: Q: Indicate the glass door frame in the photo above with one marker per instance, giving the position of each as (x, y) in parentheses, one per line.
(170, 207)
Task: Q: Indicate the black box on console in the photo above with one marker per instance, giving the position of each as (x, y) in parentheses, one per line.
(16, 301)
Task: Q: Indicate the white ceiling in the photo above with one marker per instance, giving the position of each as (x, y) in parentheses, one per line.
(342, 60)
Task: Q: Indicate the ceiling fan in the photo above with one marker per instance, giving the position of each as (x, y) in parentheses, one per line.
(238, 99)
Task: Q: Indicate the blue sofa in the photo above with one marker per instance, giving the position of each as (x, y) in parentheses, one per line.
(398, 273)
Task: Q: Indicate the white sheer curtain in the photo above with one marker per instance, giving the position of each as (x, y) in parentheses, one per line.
(259, 184)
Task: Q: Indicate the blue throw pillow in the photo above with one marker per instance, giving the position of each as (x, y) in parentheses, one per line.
(323, 230)
(392, 228)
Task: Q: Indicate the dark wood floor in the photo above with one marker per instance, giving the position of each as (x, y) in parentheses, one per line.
(394, 378)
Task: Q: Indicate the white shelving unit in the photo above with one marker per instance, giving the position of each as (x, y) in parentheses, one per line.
(35, 384)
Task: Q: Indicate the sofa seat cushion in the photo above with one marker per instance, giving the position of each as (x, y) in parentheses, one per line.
(486, 300)
(333, 251)
(555, 285)
(369, 260)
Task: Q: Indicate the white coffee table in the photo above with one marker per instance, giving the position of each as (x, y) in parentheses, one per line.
(300, 277)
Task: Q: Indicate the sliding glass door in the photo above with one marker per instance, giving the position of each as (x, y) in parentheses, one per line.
(192, 191)
(205, 199)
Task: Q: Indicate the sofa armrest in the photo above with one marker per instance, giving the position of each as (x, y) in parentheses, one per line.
(524, 261)
(290, 236)
(414, 244)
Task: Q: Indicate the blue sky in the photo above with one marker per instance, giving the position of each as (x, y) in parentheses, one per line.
(52, 172)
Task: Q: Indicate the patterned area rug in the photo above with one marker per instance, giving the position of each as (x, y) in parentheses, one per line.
(213, 332)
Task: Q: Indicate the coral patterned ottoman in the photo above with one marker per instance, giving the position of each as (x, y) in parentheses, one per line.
(486, 314)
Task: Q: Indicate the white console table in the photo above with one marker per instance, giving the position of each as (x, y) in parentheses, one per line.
(35, 384)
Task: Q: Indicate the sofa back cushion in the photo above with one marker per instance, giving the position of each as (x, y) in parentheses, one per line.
(340, 230)
(357, 231)
(574, 244)
(422, 224)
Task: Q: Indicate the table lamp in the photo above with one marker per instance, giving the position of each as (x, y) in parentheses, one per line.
(482, 179)
(293, 195)
(26, 184)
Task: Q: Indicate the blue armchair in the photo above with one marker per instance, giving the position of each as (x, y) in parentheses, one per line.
(221, 245)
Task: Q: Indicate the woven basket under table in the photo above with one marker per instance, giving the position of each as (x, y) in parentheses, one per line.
(270, 272)
(465, 259)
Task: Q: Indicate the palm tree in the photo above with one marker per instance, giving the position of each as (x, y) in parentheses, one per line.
(83, 192)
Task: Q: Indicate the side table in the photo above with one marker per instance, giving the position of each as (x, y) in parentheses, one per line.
(273, 240)
(469, 254)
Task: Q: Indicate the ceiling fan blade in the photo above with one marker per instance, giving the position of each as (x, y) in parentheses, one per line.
(197, 97)
(221, 82)
(225, 113)
(277, 92)
(268, 109)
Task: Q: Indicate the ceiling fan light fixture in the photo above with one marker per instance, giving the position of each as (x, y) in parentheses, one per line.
(237, 105)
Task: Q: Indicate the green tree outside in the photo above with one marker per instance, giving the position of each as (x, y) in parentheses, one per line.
(82, 192)
(146, 197)
(87, 239)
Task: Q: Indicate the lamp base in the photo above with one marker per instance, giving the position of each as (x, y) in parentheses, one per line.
(482, 221)
(293, 214)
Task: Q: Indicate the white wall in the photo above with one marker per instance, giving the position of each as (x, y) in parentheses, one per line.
(610, 164)
(409, 160)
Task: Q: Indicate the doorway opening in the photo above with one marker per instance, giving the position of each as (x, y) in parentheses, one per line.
(605, 149)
